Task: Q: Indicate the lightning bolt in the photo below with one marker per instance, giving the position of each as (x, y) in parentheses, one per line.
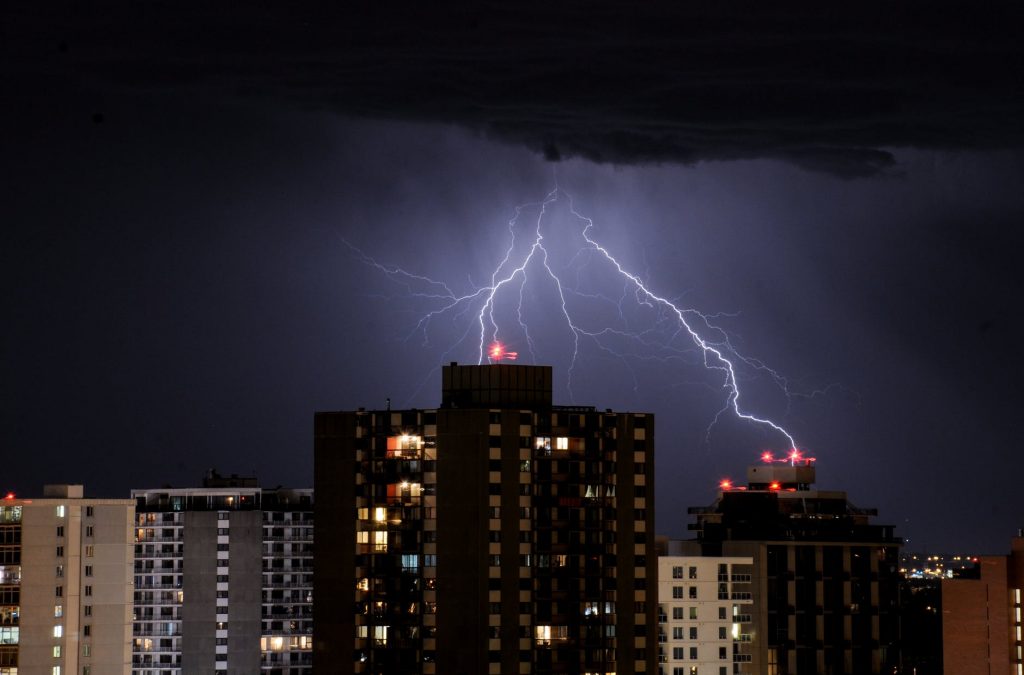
(527, 253)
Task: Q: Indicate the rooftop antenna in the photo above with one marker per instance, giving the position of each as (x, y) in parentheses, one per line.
(388, 399)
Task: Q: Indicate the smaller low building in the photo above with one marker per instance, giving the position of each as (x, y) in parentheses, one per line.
(705, 610)
(981, 616)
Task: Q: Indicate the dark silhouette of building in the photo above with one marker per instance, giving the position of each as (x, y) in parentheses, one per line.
(496, 534)
(826, 580)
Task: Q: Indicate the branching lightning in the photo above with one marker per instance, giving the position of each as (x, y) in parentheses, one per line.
(676, 332)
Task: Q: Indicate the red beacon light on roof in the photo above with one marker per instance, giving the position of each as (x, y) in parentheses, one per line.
(725, 484)
(9, 495)
(767, 457)
(774, 485)
(497, 352)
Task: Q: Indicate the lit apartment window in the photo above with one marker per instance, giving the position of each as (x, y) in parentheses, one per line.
(58, 611)
(56, 651)
(58, 631)
(561, 443)
(60, 511)
(56, 670)
(380, 542)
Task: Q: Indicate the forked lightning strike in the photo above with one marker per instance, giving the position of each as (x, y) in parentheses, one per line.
(511, 275)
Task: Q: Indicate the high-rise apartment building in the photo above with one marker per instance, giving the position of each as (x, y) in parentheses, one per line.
(705, 613)
(497, 533)
(825, 578)
(65, 584)
(223, 579)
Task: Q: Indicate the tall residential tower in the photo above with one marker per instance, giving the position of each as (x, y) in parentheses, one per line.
(825, 579)
(65, 584)
(497, 533)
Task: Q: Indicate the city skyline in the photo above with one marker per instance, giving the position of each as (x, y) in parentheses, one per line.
(841, 189)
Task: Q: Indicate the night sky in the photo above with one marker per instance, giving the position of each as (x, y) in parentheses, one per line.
(843, 190)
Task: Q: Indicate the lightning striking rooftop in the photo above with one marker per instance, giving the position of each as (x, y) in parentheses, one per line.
(675, 331)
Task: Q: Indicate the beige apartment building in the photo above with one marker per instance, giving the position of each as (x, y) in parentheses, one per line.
(66, 583)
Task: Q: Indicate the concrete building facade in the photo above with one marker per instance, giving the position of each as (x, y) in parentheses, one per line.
(496, 534)
(705, 613)
(65, 584)
(223, 579)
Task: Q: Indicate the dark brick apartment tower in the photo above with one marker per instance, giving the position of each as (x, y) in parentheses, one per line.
(495, 534)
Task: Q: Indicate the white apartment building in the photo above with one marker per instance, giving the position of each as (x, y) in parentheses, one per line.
(65, 584)
(704, 615)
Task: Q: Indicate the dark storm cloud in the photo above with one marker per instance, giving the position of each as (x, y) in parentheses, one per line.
(827, 89)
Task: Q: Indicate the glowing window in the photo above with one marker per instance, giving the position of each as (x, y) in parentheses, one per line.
(380, 514)
(58, 631)
(380, 542)
(380, 635)
(561, 443)
(60, 511)
(542, 443)
(362, 537)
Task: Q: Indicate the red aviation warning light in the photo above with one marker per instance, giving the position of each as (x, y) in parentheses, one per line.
(497, 352)
(774, 485)
(9, 495)
(725, 484)
(767, 457)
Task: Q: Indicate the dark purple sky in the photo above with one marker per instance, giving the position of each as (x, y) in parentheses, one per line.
(178, 184)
